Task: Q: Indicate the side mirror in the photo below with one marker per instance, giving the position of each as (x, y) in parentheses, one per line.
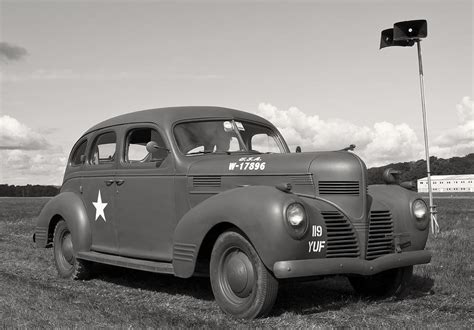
(298, 149)
(228, 127)
(391, 176)
(152, 147)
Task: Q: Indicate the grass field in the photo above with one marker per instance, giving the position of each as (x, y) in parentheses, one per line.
(31, 294)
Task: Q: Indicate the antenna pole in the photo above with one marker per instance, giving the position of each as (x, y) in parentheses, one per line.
(434, 222)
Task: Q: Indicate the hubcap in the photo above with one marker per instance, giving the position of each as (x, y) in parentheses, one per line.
(239, 273)
(66, 247)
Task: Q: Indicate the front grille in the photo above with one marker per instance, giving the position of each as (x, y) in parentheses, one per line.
(339, 188)
(341, 239)
(207, 181)
(380, 238)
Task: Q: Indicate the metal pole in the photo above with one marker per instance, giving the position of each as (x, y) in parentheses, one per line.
(434, 222)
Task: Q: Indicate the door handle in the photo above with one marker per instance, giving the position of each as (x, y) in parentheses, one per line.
(119, 182)
(109, 182)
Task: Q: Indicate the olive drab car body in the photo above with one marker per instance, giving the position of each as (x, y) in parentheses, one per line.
(159, 190)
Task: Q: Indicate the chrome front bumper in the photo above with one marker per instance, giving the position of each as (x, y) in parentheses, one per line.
(334, 266)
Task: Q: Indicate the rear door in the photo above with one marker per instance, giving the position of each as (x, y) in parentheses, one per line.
(99, 190)
(145, 202)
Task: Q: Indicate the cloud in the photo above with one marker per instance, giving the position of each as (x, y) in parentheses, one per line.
(32, 166)
(99, 75)
(380, 144)
(15, 135)
(458, 141)
(67, 74)
(26, 156)
(196, 76)
(392, 143)
(10, 52)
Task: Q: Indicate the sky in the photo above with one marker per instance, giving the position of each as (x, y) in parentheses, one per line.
(313, 68)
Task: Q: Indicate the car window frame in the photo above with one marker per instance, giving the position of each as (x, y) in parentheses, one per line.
(278, 137)
(280, 140)
(165, 164)
(74, 150)
(94, 138)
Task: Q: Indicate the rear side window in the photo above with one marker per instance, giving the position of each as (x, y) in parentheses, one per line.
(78, 154)
(103, 150)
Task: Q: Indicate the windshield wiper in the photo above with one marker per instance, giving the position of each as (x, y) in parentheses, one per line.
(244, 152)
(202, 152)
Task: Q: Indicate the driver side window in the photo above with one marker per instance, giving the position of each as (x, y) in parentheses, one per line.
(136, 151)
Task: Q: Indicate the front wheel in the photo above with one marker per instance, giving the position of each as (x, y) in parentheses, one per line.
(242, 285)
(66, 263)
(388, 283)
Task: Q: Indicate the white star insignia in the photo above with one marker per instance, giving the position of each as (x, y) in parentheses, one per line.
(99, 207)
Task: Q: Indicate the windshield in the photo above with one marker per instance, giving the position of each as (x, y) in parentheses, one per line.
(226, 136)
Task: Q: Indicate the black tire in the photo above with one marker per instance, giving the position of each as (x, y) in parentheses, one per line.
(64, 259)
(392, 282)
(242, 285)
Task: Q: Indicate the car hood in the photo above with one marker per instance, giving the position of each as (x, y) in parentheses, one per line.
(260, 164)
(335, 165)
(337, 176)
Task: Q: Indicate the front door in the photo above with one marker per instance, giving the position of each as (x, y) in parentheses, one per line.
(145, 202)
(99, 190)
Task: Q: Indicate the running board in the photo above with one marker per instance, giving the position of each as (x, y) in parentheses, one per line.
(147, 265)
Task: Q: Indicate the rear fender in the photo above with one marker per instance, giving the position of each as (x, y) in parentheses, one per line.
(258, 211)
(68, 206)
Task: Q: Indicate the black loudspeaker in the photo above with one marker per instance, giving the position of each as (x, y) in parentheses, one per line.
(387, 40)
(410, 30)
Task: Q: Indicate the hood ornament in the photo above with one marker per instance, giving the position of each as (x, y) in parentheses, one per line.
(349, 148)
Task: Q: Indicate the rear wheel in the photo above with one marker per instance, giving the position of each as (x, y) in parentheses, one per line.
(387, 283)
(242, 285)
(66, 263)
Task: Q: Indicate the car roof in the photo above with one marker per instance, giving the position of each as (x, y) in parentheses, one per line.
(170, 115)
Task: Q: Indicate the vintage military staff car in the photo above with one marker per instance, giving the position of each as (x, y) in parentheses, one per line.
(215, 191)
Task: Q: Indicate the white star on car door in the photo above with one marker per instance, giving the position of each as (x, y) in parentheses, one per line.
(99, 207)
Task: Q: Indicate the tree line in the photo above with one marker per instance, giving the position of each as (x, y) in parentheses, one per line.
(28, 190)
(412, 171)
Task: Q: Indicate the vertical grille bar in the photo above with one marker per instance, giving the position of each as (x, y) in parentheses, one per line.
(380, 238)
(341, 238)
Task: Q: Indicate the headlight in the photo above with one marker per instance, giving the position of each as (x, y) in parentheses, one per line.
(419, 209)
(296, 220)
(295, 214)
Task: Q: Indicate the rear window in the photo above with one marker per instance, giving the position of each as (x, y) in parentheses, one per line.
(78, 154)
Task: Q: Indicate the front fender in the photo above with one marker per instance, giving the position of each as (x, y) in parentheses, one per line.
(70, 207)
(399, 200)
(258, 211)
